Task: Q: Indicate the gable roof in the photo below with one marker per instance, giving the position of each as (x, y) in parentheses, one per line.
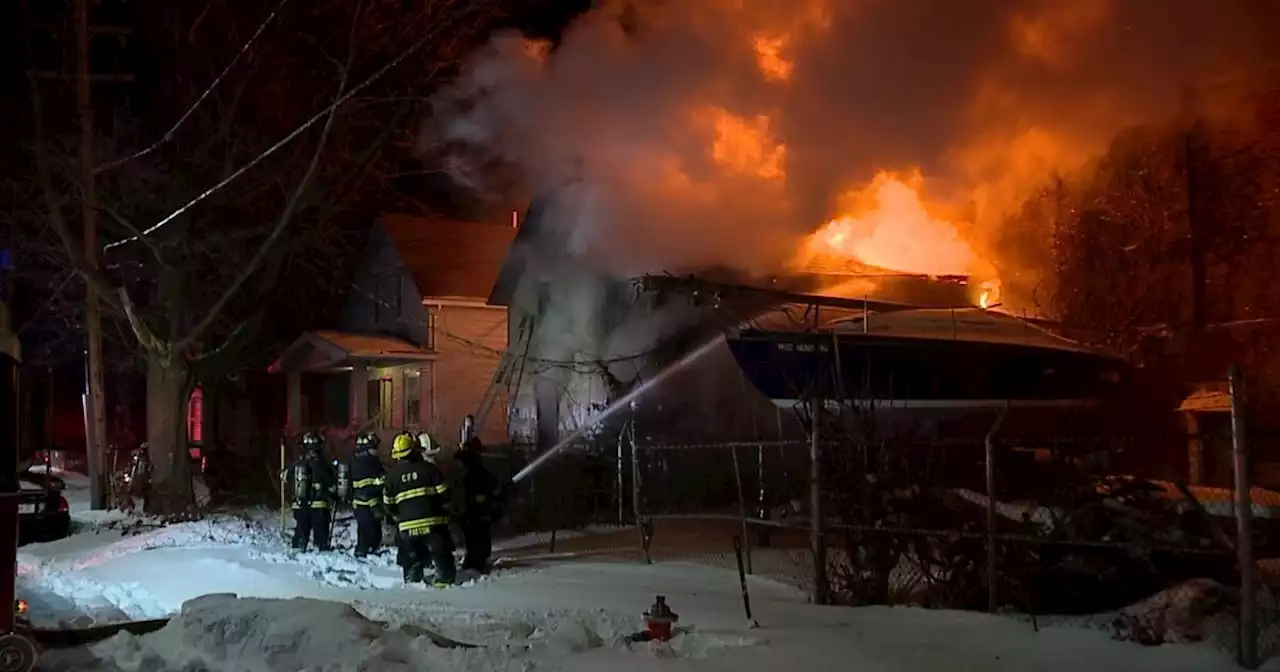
(516, 260)
(450, 258)
(325, 349)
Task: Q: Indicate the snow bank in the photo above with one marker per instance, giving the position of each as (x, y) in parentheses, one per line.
(1193, 611)
(223, 633)
(572, 616)
(91, 578)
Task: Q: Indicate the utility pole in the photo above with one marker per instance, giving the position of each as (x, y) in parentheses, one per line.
(95, 404)
(1192, 155)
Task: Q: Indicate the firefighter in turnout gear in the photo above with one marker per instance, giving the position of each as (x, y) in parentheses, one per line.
(417, 498)
(367, 479)
(482, 498)
(404, 553)
(314, 493)
(481, 508)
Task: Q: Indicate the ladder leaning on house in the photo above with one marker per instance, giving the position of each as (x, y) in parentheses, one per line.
(510, 368)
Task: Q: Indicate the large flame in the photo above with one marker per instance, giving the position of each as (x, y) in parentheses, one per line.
(886, 225)
(752, 133)
(744, 145)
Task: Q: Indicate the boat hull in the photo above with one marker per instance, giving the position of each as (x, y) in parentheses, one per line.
(841, 368)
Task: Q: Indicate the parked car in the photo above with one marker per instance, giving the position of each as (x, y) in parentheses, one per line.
(43, 513)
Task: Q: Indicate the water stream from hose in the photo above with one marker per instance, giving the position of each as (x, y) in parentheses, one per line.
(622, 402)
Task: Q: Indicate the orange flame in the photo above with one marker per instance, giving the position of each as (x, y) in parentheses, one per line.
(769, 58)
(888, 226)
(745, 145)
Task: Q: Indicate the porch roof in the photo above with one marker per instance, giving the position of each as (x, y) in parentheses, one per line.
(1206, 401)
(326, 349)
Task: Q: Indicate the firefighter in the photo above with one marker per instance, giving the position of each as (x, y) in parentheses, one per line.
(403, 551)
(482, 499)
(417, 497)
(314, 490)
(367, 479)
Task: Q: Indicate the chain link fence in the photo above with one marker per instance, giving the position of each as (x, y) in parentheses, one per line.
(1038, 515)
(1145, 560)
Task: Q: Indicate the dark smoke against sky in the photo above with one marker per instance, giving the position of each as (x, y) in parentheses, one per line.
(682, 150)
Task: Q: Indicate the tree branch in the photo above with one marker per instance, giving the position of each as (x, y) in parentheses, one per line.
(146, 337)
(97, 281)
(168, 135)
(128, 226)
(229, 344)
(57, 292)
(285, 217)
(326, 113)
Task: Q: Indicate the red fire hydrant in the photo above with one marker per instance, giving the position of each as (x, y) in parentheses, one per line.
(659, 619)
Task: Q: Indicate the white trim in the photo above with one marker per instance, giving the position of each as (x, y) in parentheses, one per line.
(894, 404)
(458, 302)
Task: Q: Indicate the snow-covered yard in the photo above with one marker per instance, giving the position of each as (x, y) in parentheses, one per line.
(331, 612)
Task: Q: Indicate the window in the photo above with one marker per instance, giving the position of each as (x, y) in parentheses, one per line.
(412, 397)
(432, 316)
(195, 416)
(379, 400)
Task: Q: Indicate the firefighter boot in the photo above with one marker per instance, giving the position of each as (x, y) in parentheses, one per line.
(301, 529)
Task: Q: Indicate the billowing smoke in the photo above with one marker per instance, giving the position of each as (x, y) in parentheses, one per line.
(720, 132)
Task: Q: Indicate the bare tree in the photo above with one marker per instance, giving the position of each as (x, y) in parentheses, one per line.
(201, 223)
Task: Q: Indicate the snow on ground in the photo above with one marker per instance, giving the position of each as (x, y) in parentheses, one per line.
(328, 611)
(544, 538)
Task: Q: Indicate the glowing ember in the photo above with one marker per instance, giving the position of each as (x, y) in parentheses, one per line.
(888, 226)
(744, 145)
(773, 65)
(989, 294)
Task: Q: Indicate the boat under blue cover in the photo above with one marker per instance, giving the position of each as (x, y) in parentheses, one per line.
(926, 358)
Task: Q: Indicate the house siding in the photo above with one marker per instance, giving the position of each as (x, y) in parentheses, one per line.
(470, 341)
(579, 388)
(385, 299)
(467, 337)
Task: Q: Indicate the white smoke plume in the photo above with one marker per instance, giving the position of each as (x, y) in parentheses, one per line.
(679, 135)
(715, 132)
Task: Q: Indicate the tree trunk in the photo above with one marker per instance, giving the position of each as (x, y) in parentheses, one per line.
(168, 389)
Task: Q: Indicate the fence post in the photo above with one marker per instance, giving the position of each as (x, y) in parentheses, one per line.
(635, 490)
(284, 502)
(762, 504)
(742, 509)
(992, 520)
(817, 538)
(1244, 524)
(620, 487)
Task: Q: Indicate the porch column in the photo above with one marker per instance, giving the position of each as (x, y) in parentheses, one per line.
(293, 403)
(397, 397)
(426, 407)
(428, 382)
(358, 395)
(1195, 450)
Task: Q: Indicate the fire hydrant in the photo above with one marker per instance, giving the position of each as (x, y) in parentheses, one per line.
(658, 620)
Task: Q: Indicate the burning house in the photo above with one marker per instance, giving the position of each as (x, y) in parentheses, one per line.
(581, 337)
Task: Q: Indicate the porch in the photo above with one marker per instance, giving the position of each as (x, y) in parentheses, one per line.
(342, 383)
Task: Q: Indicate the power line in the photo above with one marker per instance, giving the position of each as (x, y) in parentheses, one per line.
(579, 366)
(168, 135)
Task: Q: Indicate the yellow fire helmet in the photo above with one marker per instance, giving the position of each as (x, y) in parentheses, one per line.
(402, 446)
